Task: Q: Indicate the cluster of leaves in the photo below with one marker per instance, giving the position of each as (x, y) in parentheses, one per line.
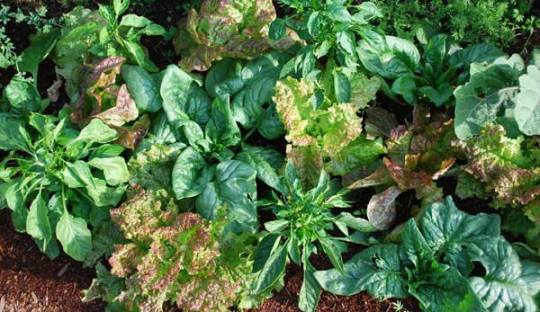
(504, 92)
(171, 257)
(427, 78)
(505, 169)
(330, 30)
(70, 179)
(221, 29)
(89, 36)
(417, 155)
(304, 224)
(322, 134)
(497, 22)
(216, 167)
(434, 262)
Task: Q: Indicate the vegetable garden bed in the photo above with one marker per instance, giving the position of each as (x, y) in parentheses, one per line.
(262, 155)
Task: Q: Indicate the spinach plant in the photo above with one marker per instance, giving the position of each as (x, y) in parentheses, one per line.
(429, 77)
(434, 261)
(70, 179)
(303, 225)
(216, 167)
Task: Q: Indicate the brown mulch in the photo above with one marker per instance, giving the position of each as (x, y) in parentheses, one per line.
(286, 300)
(29, 281)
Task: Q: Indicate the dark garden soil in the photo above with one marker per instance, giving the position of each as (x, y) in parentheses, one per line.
(29, 281)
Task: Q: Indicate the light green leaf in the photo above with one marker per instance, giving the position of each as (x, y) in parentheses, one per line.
(22, 95)
(77, 174)
(74, 235)
(503, 289)
(13, 135)
(222, 128)
(114, 169)
(527, 109)
(97, 132)
(189, 177)
(266, 161)
(37, 222)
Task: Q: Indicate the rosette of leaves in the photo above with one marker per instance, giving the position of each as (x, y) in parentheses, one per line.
(504, 92)
(250, 86)
(170, 257)
(505, 169)
(429, 77)
(433, 261)
(330, 30)
(417, 155)
(216, 168)
(220, 29)
(303, 226)
(69, 178)
(321, 134)
(89, 35)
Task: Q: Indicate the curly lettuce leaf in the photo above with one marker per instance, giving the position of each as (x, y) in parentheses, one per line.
(235, 28)
(502, 165)
(323, 135)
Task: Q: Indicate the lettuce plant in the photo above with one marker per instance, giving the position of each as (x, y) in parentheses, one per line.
(220, 29)
(171, 257)
(322, 135)
(433, 261)
(506, 171)
(303, 225)
(417, 155)
(504, 92)
(70, 178)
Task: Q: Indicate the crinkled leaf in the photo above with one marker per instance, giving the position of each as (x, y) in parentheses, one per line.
(527, 109)
(376, 269)
(225, 29)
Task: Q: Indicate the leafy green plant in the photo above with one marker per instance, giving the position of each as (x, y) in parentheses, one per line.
(504, 92)
(330, 30)
(216, 167)
(429, 77)
(180, 258)
(497, 22)
(89, 35)
(434, 262)
(504, 170)
(322, 134)
(70, 179)
(304, 224)
(417, 156)
(236, 29)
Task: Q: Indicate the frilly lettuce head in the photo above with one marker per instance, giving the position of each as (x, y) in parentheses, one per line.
(224, 28)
